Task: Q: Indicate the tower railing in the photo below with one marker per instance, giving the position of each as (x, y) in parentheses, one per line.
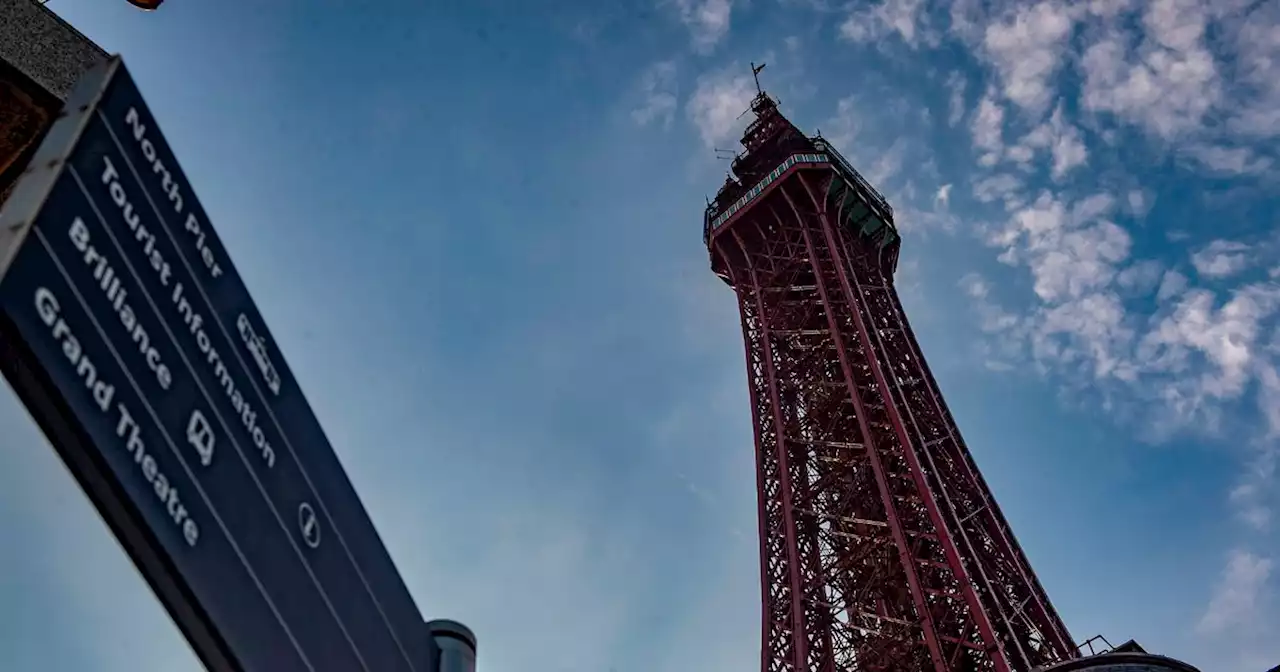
(826, 153)
(879, 200)
(715, 217)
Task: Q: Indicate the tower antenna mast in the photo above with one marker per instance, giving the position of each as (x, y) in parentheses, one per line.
(755, 72)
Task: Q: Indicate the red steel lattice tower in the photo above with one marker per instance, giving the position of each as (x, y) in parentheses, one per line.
(881, 547)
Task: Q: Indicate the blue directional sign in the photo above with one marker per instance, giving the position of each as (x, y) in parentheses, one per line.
(133, 341)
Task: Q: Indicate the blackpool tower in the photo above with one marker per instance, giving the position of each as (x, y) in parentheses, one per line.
(881, 547)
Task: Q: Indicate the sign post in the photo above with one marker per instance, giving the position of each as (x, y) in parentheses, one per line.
(132, 340)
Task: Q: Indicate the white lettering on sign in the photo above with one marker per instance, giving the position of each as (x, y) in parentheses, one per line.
(118, 297)
(191, 317)
(200, 436)
(309, 525)
(49, 309)
(127, 429)
(141, 234)
(244, 409)
(169, 186)
(257, 346)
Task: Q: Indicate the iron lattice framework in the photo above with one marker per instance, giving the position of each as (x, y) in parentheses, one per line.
(881, 547)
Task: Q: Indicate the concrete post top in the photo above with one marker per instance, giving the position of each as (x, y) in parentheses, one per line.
(39, 44)
(443, 627)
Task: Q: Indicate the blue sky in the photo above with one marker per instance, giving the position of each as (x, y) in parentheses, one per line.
(475, 231)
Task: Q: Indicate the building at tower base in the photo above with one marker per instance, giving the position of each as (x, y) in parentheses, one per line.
(1128, 657)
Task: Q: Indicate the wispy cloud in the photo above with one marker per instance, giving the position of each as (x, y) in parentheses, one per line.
(943, 196)
(1235, 600)
(1062, 140)
(1168, 81)
(719, 106)
(1228, 161)
(658, 95)
(987, 128)
(907, 19)
(956, 85)
(1221, 259)
(1172, 284)
(708, 21)
(1027, 46)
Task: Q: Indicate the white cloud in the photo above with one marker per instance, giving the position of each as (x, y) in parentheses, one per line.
(1060, 138)
(657, 88)
(1002, 186)
(943, 196)
(1140, 202)
(1109, 9)
(1006, 329)
(1172, 284)
(975, 286)
(1141, 278)
(968, 19)
(1221, 259)
(916, 215)
(956, 84)
(1254, 497)
(718, 104)
(843, 128)
(1075, 256)
(1257, 114)
(1235, 598)
(1248, 498)
(1228, 160)
(1167, 83)
(987, 129)
(1027, 48)
(908, 19)
(1202, 76)
(1269, 401)
(1184, 366)
(1088, 330)
(886, 165)
(707, 20)
(1067, 255)
(1068, 152)
(1225, 336)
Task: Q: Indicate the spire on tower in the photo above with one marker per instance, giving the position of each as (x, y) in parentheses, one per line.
(755, 72)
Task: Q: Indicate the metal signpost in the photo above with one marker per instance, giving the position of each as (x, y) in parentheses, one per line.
(129, 335)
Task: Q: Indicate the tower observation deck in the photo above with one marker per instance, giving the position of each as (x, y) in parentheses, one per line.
(881, 547)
